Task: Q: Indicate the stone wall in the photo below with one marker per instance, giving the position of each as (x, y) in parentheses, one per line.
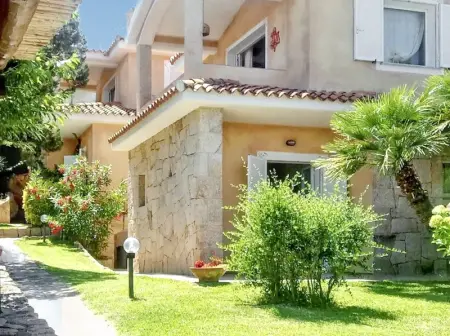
(402, 230)
(181, 220)
(5, 210)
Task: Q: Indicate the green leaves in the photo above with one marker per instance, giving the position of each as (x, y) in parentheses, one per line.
(383, 133)
(285, 243)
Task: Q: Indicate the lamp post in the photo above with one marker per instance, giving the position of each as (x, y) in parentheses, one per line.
(44, 220)
(131, 246)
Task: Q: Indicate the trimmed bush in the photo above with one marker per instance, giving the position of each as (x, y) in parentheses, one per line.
(36, 199)
(298, 247)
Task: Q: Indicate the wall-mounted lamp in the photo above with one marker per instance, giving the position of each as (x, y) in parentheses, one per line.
(206, 30)
(291, 143)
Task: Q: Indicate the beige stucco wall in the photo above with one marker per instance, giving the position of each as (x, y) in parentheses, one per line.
(57, 158)
(250, 15)
(331, 53)
(316, 45)
(241, 140)
(101, 151)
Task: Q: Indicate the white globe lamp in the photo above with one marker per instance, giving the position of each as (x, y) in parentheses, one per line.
(131, 246)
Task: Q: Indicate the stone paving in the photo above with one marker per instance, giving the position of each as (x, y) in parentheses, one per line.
(53, 301)
(17, 317)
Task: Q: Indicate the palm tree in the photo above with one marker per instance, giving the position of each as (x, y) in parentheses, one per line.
(386, 134)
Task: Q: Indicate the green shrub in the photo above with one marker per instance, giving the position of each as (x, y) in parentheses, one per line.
(36, 199)
(440, 223)
(85, 206)
(287, 244)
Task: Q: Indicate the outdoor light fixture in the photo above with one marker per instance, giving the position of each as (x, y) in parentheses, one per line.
(206, 30)
(44, 220)
(291, 143)
(131, 246)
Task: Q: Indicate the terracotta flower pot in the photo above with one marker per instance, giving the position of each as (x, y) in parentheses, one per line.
(209, 274)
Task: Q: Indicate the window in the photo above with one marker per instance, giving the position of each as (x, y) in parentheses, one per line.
(446, 173)
(111, 94)
(141, 190)
(254, 56)
(410, 33)
(251, 50)
(282, 170)
(109, 91)
(283, 164)
(404, 36)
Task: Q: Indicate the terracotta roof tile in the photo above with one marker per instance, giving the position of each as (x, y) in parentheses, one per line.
(108, 109)
(175, 58)
(233, 87)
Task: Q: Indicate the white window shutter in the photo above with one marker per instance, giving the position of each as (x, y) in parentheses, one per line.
(325, 185)
(368, 30)
(257, 170)
(445, 36)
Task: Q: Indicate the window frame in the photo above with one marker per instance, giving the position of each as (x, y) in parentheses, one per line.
(111, 84)
(285, 157)
(246, 41)
(142, 199)
(431, 51)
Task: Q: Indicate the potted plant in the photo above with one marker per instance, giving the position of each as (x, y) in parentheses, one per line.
(209, 272)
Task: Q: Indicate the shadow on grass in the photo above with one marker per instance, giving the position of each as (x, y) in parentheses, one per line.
(213, 284)
(427, 291)
(77, 277)
(347, 315)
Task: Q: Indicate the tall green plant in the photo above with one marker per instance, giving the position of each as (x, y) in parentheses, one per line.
(85, 205)
(286, 243)
(386, 134)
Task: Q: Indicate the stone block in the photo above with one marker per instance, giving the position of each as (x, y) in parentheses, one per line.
(409, 268)
(441, 267)
(383, 228)
(383, 182)
(403, 209)
(10, 233)
(403, 225)
(200, 164)
(399, 257)
(413, 244)
(383, 266)
(192, 145)
(429, 250)
(215, 165)
(208, 187)
(384, 199)
(209, 142)
(423, 170)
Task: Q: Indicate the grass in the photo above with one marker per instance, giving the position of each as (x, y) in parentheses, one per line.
(7, 226)
(165, 307)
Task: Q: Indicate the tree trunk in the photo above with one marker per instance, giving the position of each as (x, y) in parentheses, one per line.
(410, 185)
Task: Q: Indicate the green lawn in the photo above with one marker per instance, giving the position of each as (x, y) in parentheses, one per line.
(6, 226)
(165, 307)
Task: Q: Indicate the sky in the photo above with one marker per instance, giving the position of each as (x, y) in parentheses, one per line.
(102, 20)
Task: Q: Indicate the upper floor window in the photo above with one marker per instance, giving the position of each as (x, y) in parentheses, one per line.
(403, 35)
(410, 33)
(109, 91)
(250, 50)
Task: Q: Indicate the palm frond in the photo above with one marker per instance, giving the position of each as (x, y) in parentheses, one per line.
(384, 133)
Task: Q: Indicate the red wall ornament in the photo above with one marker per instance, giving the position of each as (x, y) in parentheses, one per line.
(274, 39)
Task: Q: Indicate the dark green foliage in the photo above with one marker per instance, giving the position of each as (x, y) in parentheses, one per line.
(386, 134)
(285, 243)
(70, 40)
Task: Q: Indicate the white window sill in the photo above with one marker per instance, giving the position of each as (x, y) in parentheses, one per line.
(404, 68)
